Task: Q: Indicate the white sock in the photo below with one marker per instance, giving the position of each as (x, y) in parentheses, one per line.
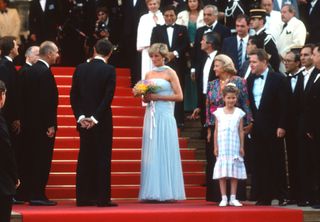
(224, 197)
(232, 197)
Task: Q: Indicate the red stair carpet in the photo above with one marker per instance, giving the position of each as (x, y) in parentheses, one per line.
(185, 211)
(128, 121)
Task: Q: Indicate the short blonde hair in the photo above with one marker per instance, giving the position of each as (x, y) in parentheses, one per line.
(160, 48)
(147, 1)
(227, 63)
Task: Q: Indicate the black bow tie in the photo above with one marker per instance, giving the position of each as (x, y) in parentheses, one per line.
(209, 27)
(293, 77)
(3, 11)
(258, 77)
(169, 26)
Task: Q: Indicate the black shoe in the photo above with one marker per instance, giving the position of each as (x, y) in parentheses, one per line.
(107, 204)
(15, 201)
(303, 203)
(283, 202)
(86, 203)
(42, 203)
(291, 202)
(263, 203)
(316, 206)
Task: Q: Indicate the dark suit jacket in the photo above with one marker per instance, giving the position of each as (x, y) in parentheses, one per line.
(8, 168)
(92, 91)
(313, 24)
(9, 75)
(180, 43)
(313, 109)
(271, 49)
(242, 71)
(272, 112)
(44, 24)
(223, 31)
(40, 99)
(230, 48)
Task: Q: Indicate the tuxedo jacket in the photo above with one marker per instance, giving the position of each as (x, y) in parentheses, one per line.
(44, 24)
(313, 24)
(40, 99)
(272, 112)
(180, 43)
(223, 31)
(313, 107)
(92, 92)
(9, 75)
(8, 168)
(132, 14)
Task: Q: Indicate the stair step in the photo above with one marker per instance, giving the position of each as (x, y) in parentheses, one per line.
(123, 81)
(70, 70)
(69, 120)
(125, 166)
(117, 154)
(118, 131)
(121, 179)
(118, 142)
(55, 192)
(117, 100)
(116, 110)
(120, 91)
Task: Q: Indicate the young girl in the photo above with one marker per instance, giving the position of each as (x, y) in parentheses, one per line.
(228, 145)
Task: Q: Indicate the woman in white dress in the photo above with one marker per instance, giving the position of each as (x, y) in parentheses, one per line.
(146, 24)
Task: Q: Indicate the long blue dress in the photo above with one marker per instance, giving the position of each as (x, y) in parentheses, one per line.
(161, 171)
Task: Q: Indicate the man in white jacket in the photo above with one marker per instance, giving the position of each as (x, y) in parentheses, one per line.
(293, 32)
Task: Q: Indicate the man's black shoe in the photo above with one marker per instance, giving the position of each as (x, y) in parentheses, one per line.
(263, 203)
(15, 201)
(303, 203)
(107, 204)
(42, 203)
(283, 202)
(86, 203)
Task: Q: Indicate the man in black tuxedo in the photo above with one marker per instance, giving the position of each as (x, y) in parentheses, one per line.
(8, 169)
(91, 95)
(32, 56)
(257, 22)
(132, 11)
(44, 20)
(295, 79)
(313, 121)
(176, 38)
(235, 46)
(209, 44)
(305, 150)
(210, 17)
(313, 24)
(268, 94)
(39, 122)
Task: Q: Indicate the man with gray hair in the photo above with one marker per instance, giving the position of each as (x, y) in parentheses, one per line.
(39, 122)
(293, 33)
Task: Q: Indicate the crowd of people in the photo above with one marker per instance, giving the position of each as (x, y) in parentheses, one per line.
(248, 70)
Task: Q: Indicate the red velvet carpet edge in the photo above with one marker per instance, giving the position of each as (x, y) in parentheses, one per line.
(185, 211)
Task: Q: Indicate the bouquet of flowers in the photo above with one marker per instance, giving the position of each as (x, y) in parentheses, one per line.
(144, 87)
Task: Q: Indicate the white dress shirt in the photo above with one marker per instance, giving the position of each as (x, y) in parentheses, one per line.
(306, 74)
(244, 46)
(43, 4)
(258, 87)
(206, 70)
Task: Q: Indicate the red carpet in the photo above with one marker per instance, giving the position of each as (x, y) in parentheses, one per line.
(128, 121)
(186, 211)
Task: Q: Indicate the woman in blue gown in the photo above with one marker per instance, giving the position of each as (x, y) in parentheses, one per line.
(161, 171)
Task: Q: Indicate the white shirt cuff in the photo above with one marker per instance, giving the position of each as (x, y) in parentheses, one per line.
(193, 70)
(176, 54)
(80, 118)
(94, 120)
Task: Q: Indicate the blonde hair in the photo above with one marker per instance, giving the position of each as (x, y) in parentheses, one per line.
(227, 63)
(160, 48)
(158, 1)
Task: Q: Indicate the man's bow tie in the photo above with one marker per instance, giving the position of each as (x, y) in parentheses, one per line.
(3, 11)
(258, 77)
(169, 26)
(209, 27)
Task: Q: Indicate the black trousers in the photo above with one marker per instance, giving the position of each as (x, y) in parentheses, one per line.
(93, 181)
(38, 163)
(5, 208)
